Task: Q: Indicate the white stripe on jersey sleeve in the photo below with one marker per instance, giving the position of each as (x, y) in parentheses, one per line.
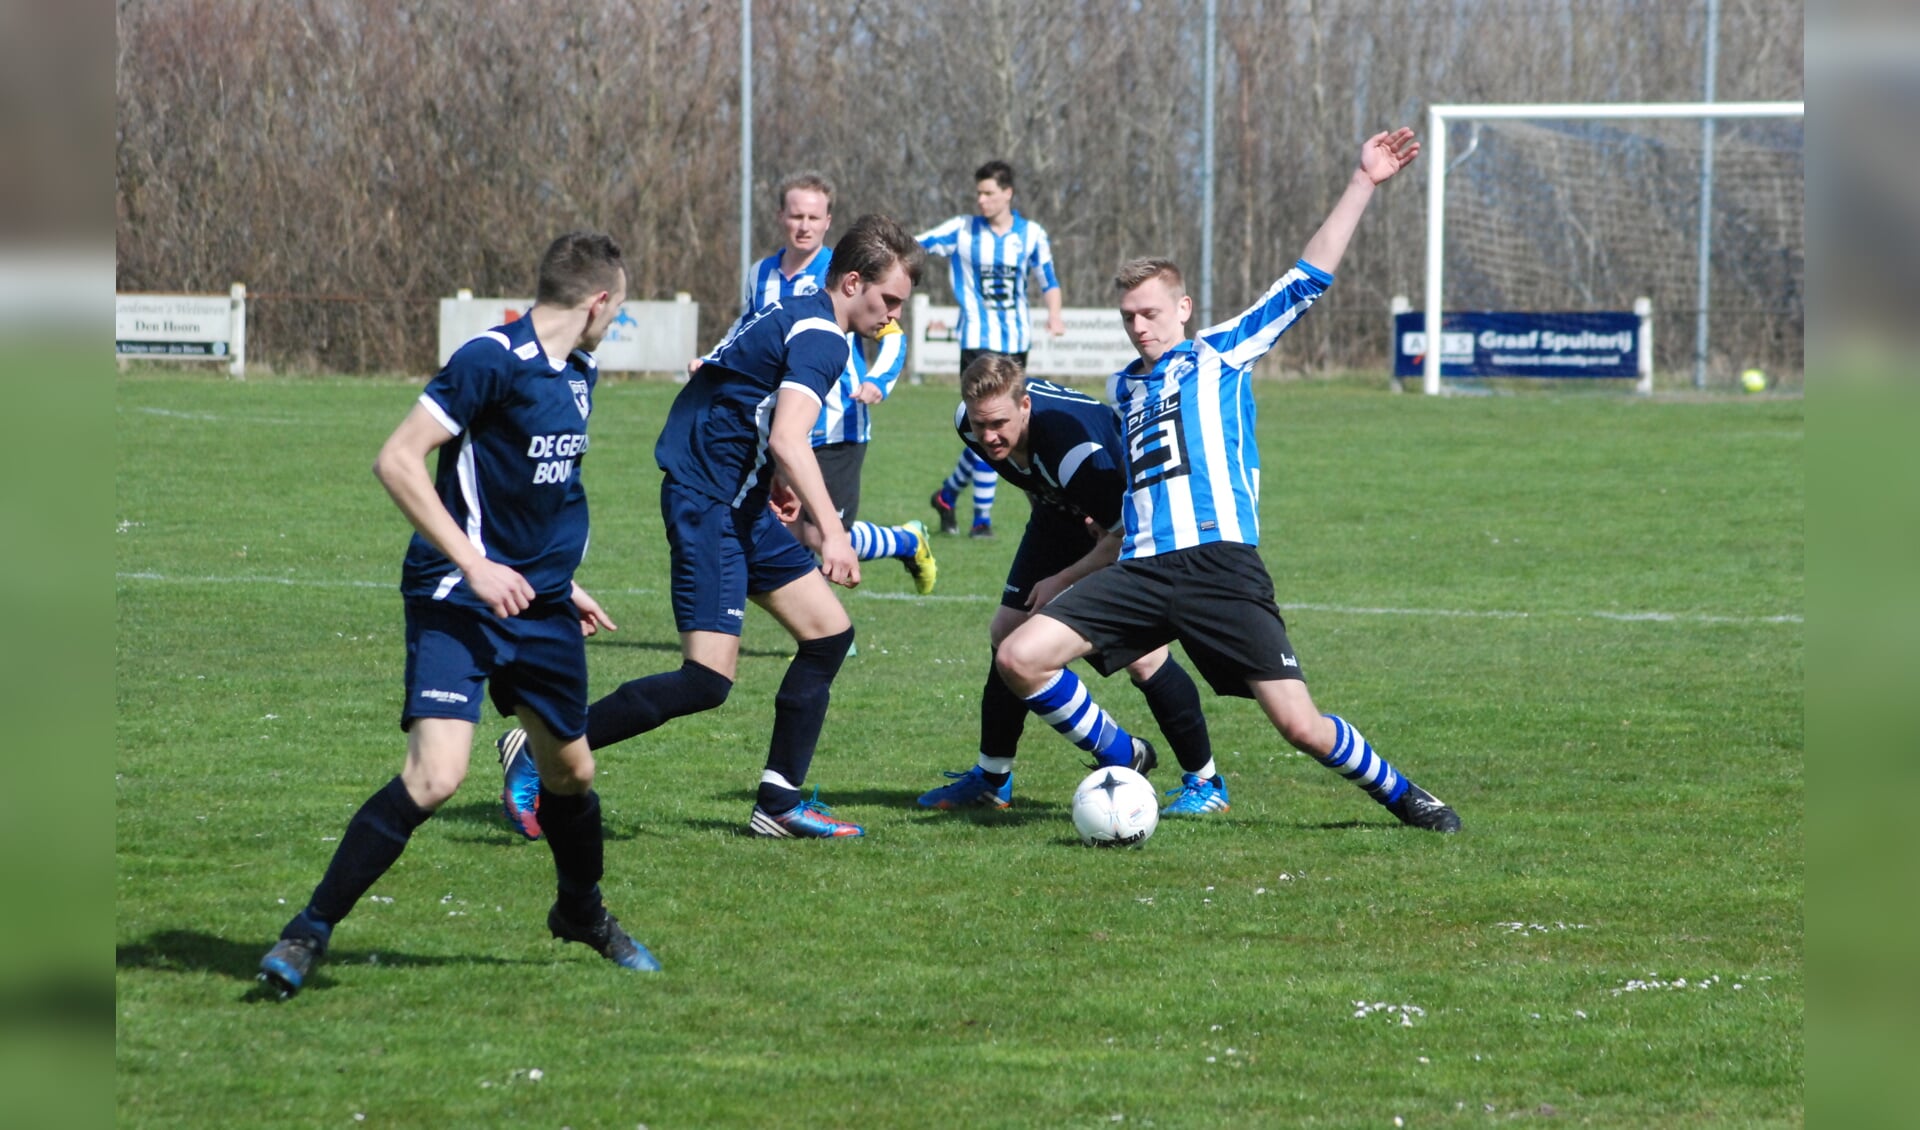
(941, 234)
(439, 415)
(805, 324)
(798, 387)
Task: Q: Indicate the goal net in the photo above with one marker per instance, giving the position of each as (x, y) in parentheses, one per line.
(1559, 214)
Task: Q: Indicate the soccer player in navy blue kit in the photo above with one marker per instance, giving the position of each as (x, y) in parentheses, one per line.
(748, 410)
(992, 255)
(490, 599)
(1188, 568)
(1063, 448)
(845, 424)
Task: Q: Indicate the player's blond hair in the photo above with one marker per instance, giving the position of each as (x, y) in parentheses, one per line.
(991, 375)
(809, 181)
(1136, 272)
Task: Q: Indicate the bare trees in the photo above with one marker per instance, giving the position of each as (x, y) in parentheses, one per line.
(354, 162)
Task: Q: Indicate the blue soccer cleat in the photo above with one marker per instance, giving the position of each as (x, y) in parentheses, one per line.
(520, 796)
(605, 937)
(807, 820)
(969, 790)
(287, 964)
(1197, 796)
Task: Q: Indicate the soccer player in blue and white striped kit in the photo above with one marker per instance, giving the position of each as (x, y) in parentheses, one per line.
(992, 256)
(1063, 448)
(1189, 569)
(490, 598)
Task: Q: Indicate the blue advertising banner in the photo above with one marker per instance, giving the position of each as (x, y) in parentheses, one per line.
(1489, 344)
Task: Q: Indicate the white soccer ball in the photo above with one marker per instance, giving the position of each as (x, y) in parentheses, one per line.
(1115, 807)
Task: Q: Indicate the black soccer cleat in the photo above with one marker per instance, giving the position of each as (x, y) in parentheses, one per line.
(605, 937)
(1145, 759)
(943, 506)
(287, 964)
(1421, 809)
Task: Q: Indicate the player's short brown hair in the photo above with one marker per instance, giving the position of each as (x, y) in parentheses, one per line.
(577, 266)
(991, 375)
(871, 247)
(1135, 272)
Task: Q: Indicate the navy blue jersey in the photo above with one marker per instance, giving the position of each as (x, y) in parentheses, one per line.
(511, 477)
(715, 439)
(1076, 463)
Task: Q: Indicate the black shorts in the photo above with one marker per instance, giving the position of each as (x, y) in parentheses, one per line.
(1216, 599)
(1053, 541)
(840, 466)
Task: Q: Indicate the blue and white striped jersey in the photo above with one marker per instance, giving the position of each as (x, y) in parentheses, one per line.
(511, 476)
(715, 438)
(844, 419)
(1076, 462)
(990, 274)
(768, 285)
(1193, 462)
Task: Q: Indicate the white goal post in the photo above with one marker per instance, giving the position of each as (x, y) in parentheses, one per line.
(1440, 116)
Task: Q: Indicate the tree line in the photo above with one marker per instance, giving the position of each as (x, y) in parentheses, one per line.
(353, 163)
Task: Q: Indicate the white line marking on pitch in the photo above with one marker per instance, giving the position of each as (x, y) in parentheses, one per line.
(975, 598)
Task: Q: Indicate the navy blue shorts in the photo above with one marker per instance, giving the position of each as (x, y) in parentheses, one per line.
(537, 659)
(722, 555)
(1054, 540)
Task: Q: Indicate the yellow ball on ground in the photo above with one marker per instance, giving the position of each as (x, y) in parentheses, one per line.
(1753, 380)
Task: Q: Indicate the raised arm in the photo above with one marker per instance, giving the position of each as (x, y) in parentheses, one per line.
(1383, 155)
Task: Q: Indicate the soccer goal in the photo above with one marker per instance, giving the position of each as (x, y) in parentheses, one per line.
(1576, 207)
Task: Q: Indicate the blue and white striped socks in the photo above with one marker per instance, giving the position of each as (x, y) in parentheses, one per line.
(1065, 705)
(871, 541)
(1353, 758)
(972, 469)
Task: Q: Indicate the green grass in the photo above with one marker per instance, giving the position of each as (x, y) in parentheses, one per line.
(1575, 618)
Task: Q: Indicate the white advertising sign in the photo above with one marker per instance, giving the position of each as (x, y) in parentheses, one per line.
(185, 327)
(1094, 346)
(646, 337)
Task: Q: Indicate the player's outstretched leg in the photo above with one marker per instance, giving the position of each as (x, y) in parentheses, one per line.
(1353, 757)
(907, 542)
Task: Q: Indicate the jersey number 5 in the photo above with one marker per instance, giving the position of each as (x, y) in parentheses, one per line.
(1156, 451)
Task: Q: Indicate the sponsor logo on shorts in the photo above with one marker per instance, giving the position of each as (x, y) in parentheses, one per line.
(1289, 661)
(444, 696)
(737, 613)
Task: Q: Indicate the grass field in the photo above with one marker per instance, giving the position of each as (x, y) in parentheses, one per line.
(1575, 617)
